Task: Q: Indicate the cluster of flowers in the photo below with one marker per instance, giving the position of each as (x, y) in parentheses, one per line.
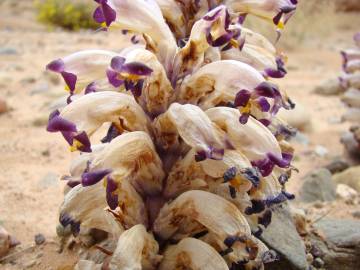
(350, 81)
(194, 157)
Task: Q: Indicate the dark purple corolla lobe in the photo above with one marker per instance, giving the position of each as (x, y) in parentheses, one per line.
(135, 88)
(211, 153)
(130, 74)
(117, 63)
(265, 166)
(266, 89)
(244, 118)
(253, 175)
(104, 13)
(269, 256)
(220, 41)
(84, 140)
(265, 219)
(263, 104)
(134, 39)
(136, 68)
(57, 66)
(286, 131)
(232, 192)
(212, 17)
(57, 123)
(226, 252)
(91, 88)
(242, 98)
(257, 206)
(280, 198)
(111, 134)
(282, 162)
(73, 183)
(91, 178)
(111, 198)
(265, 122)
(230, 174)
(70, 80)
(65, 220)
(113, 78)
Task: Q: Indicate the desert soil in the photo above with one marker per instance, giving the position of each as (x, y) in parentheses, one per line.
(31, 160)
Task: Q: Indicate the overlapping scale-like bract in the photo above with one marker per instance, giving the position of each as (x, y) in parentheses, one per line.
(194, 157)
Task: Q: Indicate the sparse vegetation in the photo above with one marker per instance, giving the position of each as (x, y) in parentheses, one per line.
(68, 14)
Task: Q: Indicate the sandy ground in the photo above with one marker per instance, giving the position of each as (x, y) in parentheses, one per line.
(31, 160)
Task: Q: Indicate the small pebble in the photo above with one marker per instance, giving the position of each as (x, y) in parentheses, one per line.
(40, 239)
(321, 151)
(315, 251)
(3, 106)
(318, 205)
(356, 214)
(309, 258)
(318, 263)
(45, 153)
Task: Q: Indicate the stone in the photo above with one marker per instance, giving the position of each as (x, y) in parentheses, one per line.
(39, 239)
(4, 242)
(337, 165)
(8, 51)
(345, 192)
(350, 177)
(351, 97)
(330, 87)
(301, 138)
(318, 186)
(281, 236)
(298, 118)
(339, 244)
(318, 263)
(309, 258)
(321, 151)
(351, 144)
(3, 106)
(356, 214)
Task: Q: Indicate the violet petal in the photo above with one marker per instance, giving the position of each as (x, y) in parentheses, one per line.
(91, 178)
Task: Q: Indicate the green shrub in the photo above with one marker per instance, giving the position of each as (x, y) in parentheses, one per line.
(69, 14)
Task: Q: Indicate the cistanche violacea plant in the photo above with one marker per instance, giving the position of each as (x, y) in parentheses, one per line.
(194, 158)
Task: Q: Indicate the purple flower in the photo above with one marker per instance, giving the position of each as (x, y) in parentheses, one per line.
(104, 13)
(92, 178)
(131, 74)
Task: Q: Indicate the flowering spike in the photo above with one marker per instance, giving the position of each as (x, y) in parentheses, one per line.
(192, 150)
